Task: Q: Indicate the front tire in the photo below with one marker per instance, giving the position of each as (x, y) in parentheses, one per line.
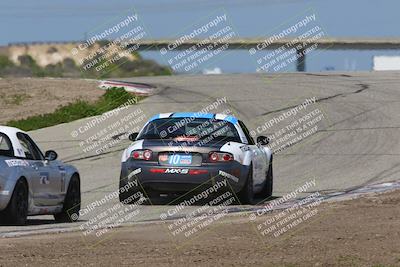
(72, 202)
(16, 212)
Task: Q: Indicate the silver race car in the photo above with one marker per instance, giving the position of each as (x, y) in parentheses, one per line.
(181, 152)
(34, 184)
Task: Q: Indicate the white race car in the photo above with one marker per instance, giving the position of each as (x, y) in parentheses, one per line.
(32, 183)
(180, 152)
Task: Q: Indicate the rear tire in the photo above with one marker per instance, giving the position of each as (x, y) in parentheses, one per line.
(16, 212)
(72, 202)
(125, 196)
(246, 195)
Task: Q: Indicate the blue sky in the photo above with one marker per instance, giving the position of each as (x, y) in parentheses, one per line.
(49, 20)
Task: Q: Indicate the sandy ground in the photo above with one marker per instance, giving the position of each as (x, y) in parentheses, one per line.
(362, 232)
(23, 97)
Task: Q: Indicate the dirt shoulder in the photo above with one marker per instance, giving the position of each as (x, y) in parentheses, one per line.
(23, 97)
(362, 232)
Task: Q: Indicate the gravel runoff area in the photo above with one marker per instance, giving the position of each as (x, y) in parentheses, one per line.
(361, 232)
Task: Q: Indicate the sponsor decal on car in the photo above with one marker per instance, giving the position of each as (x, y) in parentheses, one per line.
(63, 175)
(163, 157)
(134, 172)
(16, 162)
(245, 148)
(177, 171)
(175, 159)
(228, 175)
(44, 178)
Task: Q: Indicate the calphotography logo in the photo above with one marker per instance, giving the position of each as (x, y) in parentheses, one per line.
(105, 215)
(292, 125)
(193, 214)
(201, 44)
(292, 211)
(281, 51)
(108, 130)
(110, 46)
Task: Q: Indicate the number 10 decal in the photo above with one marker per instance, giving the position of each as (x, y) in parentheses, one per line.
(174, 159)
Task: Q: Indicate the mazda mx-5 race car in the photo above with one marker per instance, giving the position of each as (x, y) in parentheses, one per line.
(32, 183)
(181, 152)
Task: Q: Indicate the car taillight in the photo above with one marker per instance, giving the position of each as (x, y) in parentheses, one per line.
(220, 156)
(141, 154)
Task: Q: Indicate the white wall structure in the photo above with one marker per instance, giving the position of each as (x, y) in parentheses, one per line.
(386, 63)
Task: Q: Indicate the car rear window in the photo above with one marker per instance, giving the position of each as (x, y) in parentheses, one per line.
(200, 128)
(5, 146)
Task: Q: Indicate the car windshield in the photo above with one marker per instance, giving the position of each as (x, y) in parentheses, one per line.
(190, 129)
(5, 146)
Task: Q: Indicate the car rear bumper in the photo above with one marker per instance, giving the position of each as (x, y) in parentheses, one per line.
(167, 179)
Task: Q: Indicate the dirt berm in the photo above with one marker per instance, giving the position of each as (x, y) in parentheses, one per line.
(361, 232)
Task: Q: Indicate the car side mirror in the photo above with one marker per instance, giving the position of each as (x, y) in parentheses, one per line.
(263, 140)
(50, 155)
(133, 136)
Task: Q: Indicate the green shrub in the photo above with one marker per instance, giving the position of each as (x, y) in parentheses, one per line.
(5, 62)
(111, 99)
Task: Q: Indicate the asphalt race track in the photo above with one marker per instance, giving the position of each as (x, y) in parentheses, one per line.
(357, 142)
